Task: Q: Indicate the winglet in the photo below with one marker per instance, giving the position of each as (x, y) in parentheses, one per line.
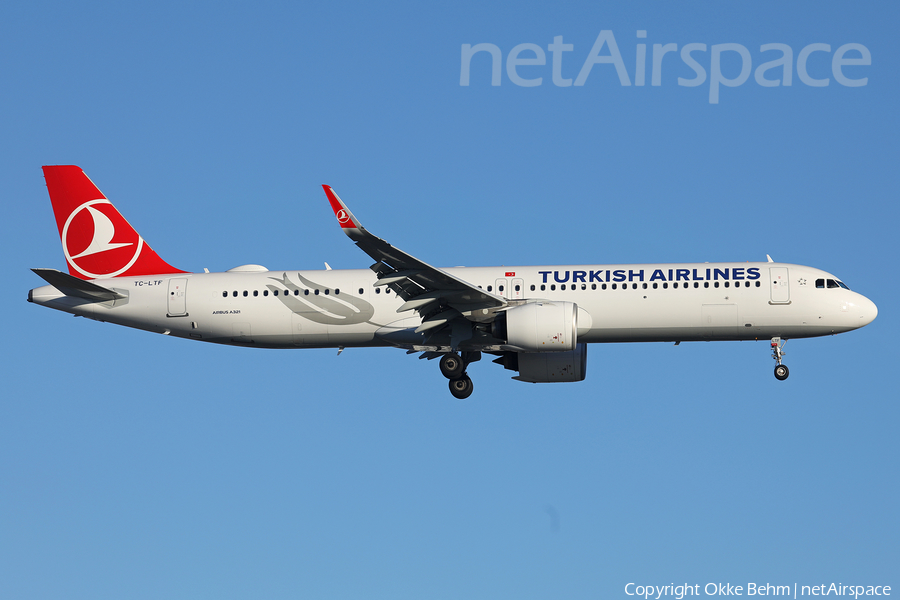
(345, 218)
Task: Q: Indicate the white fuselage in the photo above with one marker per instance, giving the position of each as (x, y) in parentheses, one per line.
(617, 303)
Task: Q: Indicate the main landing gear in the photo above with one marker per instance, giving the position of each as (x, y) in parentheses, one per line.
(781, 371)
(453, 367)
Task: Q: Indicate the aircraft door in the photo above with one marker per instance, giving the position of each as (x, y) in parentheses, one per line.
(517, 291)
(779, 285)
(177, 302)
(501, 288)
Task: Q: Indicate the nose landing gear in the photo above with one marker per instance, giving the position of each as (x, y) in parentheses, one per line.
(453, 367)
(781, 371)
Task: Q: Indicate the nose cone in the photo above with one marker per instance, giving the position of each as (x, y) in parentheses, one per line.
(867, 311)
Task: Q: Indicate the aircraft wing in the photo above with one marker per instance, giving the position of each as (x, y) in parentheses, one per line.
(436, 295)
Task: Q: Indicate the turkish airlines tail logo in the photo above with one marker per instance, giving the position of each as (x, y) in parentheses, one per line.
(97, 240)
(104, 230)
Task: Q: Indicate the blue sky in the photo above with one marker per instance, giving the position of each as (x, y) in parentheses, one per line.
(138, 466)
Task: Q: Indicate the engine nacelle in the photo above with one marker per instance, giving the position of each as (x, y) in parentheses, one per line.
(539, 326)
(547, 367)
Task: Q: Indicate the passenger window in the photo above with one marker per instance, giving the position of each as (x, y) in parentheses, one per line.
(306, 292)
(387, 290)
(316, 292)
(593, 286)
(553, 287)
(584, 286)
(613, 286)
(726, 284)
(563, 287)
(532, 287)
(245, 293)
(265, 293)
(499, 288)
(696, 284)
(224, 294)
(296, 292)
(490, 288)
(665, 286)
(706, 284)
(746, 284)
(337, 291)
(634, 286)
(603, 286)
(543, 287)
(255, 293)
(518, 288)
(655, 286)
(361, 291)
(644, 286)
(716, 284)
(675, 285)
(378, 290)
(274, 292)
(757, 284)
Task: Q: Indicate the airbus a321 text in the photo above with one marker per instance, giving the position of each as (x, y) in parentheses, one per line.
(536, 321)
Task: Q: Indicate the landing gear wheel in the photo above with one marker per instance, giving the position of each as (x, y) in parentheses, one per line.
(781, 372)
(452, 366)
(461, 388)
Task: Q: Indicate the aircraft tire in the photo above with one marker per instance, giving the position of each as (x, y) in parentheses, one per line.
(452, 366)
(462, 387)
(781, 372)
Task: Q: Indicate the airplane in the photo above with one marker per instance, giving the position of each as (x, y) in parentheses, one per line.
(536, 320)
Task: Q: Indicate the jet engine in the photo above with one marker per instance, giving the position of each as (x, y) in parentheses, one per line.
(539, 326)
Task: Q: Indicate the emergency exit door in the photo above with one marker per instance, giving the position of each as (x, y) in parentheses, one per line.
(513, 289)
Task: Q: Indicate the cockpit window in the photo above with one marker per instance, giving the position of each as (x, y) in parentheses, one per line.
(831, 283)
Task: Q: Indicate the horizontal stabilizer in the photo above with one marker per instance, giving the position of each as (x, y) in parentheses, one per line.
(78, 288)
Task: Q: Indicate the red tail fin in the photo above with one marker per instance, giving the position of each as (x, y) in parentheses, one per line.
(98, 242)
